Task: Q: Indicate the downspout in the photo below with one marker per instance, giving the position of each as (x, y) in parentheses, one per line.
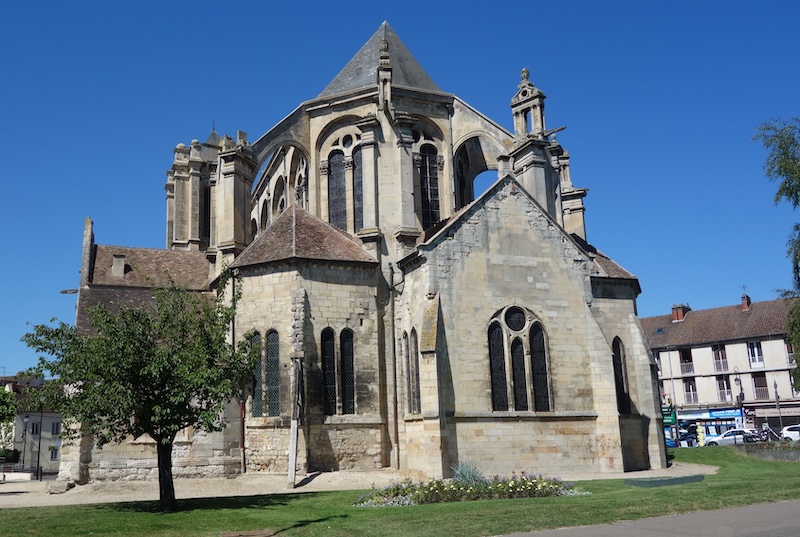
(396, 446)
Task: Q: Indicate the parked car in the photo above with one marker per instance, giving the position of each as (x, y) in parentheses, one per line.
(732, 436)
(791, 432)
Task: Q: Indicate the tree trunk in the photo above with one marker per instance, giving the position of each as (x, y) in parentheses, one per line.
(166, 488)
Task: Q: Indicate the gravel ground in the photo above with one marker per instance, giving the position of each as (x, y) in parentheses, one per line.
(39, 493)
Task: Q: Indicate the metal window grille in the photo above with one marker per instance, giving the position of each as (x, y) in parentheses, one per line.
(497, 368)
(358, 191)
(337, 196)
(348, 373)
(258, 384)
(429, 184)
(518, 375)
(541, 385)
(273, 402)
(328, 372)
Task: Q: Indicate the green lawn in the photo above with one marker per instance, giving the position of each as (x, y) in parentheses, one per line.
(740, 481)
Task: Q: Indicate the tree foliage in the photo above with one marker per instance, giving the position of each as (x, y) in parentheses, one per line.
(781, 139)
(150, 368)
(8, 406)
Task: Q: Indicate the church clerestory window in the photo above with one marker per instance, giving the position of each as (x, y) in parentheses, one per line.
(337, 191)
(518, 363)
(358, 191)
(429, 186)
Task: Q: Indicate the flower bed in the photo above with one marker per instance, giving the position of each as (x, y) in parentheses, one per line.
(458, 489)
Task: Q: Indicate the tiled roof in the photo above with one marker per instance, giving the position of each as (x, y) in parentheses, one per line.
(111, 298)
(728, 323)
(362, 69)
(149, 267)
(297, 234)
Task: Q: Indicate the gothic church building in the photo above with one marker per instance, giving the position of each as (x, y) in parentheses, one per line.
(405, 322)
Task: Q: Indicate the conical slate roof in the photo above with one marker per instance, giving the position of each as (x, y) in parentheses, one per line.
(297, 234)
(362, 70)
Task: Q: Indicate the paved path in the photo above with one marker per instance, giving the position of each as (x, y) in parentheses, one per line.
(763, 520)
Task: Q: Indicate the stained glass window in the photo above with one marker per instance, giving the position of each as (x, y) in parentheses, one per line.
(429, 184)
(518, 375)
(541, 385)
(413, 373)
(358, 191)
(258, 383)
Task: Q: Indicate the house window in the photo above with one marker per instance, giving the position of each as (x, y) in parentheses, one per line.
(358, 191)
(515, 380)
(328, 372)
(760, 388)
(723, 388)
(689, 391)
(412, 366)
(429, 185)
(35, 428)
(55, 428)
(337, 191)
(53, 453)
(621, 377)
(687, 366)
(754, 354)
(720, 358)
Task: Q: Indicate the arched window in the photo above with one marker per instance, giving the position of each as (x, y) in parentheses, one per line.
(415, 399)
(539, 370)
(278, 197)
(272, 374)
(518, 375)
(497, 367)
(328, 372)
(258, 382)
(620, 377)
(337, 191)
(358, 191)
(348, 373)
(515, 330)
(429, 185)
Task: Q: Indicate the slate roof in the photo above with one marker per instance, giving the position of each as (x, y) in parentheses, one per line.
(728, 323)
(362, 70)
(148, 267)
(297, 234)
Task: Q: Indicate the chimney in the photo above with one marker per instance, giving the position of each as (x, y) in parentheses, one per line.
(745, 303)
(679, 311)
(118, 266)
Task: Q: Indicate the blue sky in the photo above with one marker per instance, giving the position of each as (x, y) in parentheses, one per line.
(660, 100)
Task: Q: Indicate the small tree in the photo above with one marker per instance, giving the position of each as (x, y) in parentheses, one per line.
(8, 410)
(782, 141)
(151, 368)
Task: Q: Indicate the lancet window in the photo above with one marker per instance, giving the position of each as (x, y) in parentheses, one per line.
(338, 372)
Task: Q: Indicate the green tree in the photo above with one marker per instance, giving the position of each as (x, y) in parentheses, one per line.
(151, 368)
(8, 406)
(781, 139)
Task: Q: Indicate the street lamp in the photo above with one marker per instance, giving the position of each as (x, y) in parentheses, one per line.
(739, 398)
(778, 402)
(25, 421)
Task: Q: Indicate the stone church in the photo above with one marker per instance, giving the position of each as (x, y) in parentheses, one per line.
(405, 322)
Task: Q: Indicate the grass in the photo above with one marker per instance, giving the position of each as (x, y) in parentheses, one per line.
(740, 481)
